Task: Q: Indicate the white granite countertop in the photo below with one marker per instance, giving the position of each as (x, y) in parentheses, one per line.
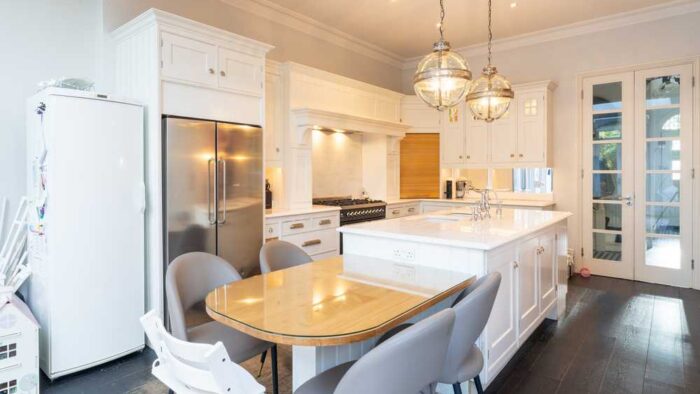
(276, 213)
(454, 227)
(474, 200)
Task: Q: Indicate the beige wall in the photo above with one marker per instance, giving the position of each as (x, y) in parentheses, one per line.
(563, 60)
(289, 44)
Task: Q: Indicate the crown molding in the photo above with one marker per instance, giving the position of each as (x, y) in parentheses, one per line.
(300, 22)
(648, 14)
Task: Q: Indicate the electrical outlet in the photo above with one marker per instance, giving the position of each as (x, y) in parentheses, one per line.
(406, 255)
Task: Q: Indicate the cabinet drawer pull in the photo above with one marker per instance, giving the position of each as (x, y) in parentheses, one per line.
(270, 230)
(223, 73)
(396, 212)
(312, 242)
(324, 222)
(211, 71)
(411, 209)
(296, 226)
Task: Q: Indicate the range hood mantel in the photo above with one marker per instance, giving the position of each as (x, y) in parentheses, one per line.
(305, 119)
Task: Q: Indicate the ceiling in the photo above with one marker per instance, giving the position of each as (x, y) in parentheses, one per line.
(407, 28)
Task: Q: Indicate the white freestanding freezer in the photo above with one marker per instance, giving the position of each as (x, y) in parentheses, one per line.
(86, 240)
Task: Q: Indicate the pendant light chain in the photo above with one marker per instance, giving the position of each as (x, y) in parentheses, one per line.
(490, 33)
(442, 19)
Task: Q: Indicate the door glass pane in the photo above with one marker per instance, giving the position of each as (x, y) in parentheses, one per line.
(663, 252)
(664, 122)
(664, 155)
(607, 126)
(607, 96)
(663, 220)
(663, 90)
(607, 186)
(607, 246)
(663, 187)
(607, 216)
(607, 156)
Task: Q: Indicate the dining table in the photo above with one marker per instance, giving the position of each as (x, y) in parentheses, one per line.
(333, 310)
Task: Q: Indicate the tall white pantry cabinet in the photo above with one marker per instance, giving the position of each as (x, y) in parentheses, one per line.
(86, 238)
(177, 66)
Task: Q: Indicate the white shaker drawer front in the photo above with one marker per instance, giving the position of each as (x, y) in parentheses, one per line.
(323, 222)
(316, 242)
(395, 212)
(296, 226)
(412, 210)
(272, 230)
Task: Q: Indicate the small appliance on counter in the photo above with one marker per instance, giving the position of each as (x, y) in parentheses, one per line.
(448, 189)
(268, 195)
(461, 188)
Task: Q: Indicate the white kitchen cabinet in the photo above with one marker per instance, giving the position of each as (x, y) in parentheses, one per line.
(273, 132)
(188, 60)
(501, 337)
(194, 61)
(453, 135)
(504, 138)
(521, 138)
(528, 297)
(240, 72)
(315, 233)
(476, 149)
(402, 209)
(547, 266)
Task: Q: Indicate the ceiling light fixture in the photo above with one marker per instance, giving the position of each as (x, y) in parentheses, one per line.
(442, 77)
(490, 96)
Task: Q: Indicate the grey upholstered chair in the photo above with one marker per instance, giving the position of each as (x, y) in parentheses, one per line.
(276, 255)
(472, 309)
(189, 279)
(407, 363)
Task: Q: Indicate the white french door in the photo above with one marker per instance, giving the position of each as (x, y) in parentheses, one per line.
(637, 214)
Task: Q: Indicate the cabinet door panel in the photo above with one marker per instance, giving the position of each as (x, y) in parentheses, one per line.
(504, 138)
(188, 60)
(477, 142)
(274, 123)
(452, 135)
(531, 128)
(548, 273)
(417, 114)
(240, 72)
(528, 310)
(501, 337)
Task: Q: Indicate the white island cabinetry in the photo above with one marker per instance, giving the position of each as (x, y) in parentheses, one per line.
(524, 246)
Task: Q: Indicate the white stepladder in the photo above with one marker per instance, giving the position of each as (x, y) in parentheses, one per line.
(19, 330)
(13, 255)
(195, 368)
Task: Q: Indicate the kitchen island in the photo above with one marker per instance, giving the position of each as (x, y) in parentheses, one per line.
(527, 247)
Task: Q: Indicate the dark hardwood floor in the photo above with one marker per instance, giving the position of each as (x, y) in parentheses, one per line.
(616, 336)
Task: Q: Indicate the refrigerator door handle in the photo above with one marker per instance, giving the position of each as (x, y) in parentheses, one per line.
(212, 218)
(223, 193)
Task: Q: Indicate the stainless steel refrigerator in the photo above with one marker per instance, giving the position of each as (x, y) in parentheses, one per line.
(213, 190)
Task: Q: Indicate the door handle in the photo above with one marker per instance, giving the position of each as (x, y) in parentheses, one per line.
(223, 191)
(628, 200)
(212, 218)
(311, 243)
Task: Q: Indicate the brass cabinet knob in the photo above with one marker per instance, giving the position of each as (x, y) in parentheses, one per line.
(223, 73)
(520, 155)
(211, 71)
(512, 155)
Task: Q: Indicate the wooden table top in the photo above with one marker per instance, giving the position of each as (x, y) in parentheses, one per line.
(332, 302)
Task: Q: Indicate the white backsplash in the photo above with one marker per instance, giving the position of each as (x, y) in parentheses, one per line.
(337, 164)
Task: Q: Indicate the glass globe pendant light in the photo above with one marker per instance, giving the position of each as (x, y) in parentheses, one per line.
(489, 96)
(442, 78)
